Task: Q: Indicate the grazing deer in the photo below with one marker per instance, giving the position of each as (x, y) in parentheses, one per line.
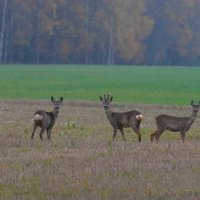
(119, 121)
(46, 120)
(175, 124)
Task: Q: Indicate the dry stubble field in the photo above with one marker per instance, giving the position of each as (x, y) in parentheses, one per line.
(80, 162)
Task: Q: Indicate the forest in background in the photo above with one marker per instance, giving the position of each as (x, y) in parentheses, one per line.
(150, 32)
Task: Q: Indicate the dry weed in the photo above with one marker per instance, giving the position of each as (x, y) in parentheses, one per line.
(80, 162)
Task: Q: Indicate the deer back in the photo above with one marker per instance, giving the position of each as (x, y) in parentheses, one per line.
(170, 122)
(42, 117)
(124, 119)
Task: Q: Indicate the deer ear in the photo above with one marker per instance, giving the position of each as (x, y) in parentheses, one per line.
(100, 98)
(111, 98)
(61, 99)
(52, 98)
(192, 102)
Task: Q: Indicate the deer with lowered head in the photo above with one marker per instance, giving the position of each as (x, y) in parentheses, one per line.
(175, 124)
(119, 121)
(46, 120)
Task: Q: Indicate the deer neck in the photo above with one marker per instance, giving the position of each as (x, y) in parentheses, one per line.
(55, 112)
(108, 113)
(193, 116)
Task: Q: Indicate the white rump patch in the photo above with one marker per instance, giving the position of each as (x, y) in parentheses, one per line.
(38, 117)
(139, 117)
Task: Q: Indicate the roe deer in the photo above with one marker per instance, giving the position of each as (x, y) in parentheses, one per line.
(46, 120)
(175, 124)
(119, 121)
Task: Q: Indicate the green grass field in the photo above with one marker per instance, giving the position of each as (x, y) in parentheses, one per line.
(128, 84)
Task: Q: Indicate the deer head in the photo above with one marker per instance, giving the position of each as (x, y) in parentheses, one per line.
(195, 106)
(106, 100)
(56, 103)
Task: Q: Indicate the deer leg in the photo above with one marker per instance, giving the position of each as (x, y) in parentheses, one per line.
(138, 124)
(182, 135)
(137, 131)
(158, 134)
(114, 133)
(33, 132)
(49, 133)
(153, 135)
(41, 132)
(122, 132)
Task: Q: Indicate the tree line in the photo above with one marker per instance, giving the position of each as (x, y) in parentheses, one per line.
(154, 32)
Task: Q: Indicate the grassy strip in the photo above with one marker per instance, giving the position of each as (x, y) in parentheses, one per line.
(129, 84)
